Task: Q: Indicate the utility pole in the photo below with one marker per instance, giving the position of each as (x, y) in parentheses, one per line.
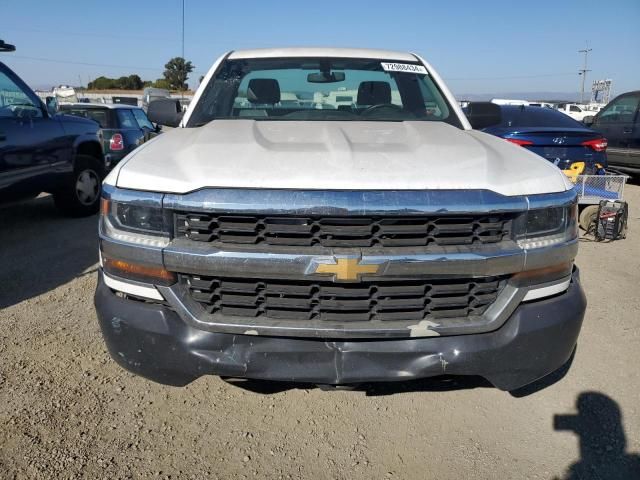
(584, 70)
(183, 60)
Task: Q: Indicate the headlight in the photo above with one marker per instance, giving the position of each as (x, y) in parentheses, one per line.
(547, 226)
(138, 218)
(135, 217)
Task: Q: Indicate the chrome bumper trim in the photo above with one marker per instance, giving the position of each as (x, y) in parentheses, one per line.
(185, 256)
(358, 202)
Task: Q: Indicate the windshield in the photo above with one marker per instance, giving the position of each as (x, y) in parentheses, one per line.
(322, 89)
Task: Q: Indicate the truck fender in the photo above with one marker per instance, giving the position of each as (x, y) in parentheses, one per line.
(88, 144)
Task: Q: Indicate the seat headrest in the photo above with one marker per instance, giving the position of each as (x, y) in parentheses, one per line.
(263, 90)
(374, 93)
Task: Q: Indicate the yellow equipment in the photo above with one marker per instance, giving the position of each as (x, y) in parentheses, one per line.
(576, 168)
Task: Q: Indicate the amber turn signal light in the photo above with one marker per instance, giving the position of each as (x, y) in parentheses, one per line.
(135, 271)
(546, 274)
(104, 206)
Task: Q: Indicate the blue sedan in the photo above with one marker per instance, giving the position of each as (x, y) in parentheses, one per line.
(546, 132)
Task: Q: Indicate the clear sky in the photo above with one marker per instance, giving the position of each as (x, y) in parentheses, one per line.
(478, 46)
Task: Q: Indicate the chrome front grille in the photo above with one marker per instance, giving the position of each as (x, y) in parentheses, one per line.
(377, 299)
(347, 231)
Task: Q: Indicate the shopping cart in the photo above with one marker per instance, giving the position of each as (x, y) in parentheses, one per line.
(594, 188)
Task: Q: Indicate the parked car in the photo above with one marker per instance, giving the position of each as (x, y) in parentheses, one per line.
(133, 101)
(573, 110)
(42, 151)
(544, 131)
(383, 241)
(151, 94)
(122, 127)
(619, 122)
(541, 104)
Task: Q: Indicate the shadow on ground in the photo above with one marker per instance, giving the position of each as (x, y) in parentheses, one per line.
(41, 250)
(433, 384)
(600, 431)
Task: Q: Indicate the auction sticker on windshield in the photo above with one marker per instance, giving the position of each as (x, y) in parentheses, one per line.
(403, 67)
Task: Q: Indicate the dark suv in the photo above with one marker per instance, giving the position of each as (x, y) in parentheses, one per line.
(619, 122)
(41, 151)
(122, 127)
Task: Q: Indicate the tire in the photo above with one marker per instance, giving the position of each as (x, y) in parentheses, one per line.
(80, 197)
(588, 216)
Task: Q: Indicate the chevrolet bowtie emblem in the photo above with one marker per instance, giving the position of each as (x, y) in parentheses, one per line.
(347, 269)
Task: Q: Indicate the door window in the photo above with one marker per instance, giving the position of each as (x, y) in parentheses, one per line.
(142, 119)
(14, 102)
(620, 110)
(126, 118)
(573, 108)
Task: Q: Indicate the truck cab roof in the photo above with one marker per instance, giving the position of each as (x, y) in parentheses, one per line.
(322, 52)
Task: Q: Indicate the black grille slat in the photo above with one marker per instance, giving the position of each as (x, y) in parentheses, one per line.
(348, 231)
(298, 303)
(383, 300)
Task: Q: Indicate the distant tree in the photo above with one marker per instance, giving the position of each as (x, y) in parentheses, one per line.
(177, 72)
(132, 82)
(162, 83)
(122, 83)
(135, 82)
(147, 83)
(101, 83)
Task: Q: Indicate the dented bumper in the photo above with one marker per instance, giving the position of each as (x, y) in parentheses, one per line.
(151, 340)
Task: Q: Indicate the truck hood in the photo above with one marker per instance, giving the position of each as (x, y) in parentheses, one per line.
(335, 156)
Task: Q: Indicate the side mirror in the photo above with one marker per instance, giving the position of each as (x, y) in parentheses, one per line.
(52, 105)
(165, 111)
(588, 120)
(483, 114)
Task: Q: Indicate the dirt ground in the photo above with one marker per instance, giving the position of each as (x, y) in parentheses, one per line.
(68, 411)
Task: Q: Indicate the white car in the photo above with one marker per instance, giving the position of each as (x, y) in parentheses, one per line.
(379, 240)
(574, 110)
(541, 104)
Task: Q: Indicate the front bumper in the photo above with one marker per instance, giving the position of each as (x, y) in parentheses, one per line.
(151, 340)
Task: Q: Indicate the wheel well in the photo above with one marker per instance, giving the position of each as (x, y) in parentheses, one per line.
(92, 149)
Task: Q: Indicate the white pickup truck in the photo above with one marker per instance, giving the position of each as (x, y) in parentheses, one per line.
(335, 242)
(575, 111)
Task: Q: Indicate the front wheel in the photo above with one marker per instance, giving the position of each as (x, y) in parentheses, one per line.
(81, 195)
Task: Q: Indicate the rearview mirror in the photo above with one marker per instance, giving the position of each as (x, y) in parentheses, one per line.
(165, 111)
(325, 77)
(588, 120)
(483, 114)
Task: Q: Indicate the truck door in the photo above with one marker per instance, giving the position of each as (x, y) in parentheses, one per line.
(616, 123)
(31, 142)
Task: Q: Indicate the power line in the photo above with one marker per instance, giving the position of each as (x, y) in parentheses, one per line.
(90, 34)
(513, 77)
(137, 67)
(87, 64)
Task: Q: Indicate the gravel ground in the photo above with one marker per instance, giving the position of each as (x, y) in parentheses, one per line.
(68, 411)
